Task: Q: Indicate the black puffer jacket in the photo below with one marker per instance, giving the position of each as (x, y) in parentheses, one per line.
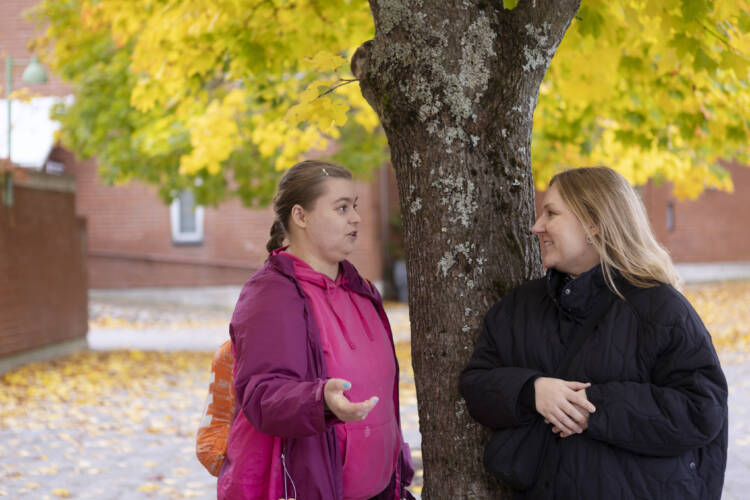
(660, 426)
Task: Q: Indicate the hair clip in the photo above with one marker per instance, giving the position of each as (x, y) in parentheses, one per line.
(324, 171)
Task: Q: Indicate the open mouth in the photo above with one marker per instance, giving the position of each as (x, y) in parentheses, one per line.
(353, 234)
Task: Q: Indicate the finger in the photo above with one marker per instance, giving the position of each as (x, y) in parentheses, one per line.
(338, 385)
(576, 386)
(557, 424)
(576, 413)
(566, 423)
(582, 401)
(562, 430)
(358, 411)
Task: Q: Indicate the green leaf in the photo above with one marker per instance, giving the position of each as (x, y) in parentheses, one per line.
(693, 9)
(631, 64)
(736, 133)
(591, 22)
(738, 62)
(744, 21)
(704, 61)
(635, 118)
(684, 45)
(510, 4)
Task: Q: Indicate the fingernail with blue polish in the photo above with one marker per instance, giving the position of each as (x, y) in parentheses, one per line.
(347, 385)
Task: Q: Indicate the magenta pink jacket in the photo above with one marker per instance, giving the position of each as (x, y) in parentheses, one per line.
(280, 371)
(357, 348)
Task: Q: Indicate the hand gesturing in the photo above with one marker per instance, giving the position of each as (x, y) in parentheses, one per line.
(345, 410)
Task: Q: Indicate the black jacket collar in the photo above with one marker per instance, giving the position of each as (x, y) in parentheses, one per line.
(577, 297)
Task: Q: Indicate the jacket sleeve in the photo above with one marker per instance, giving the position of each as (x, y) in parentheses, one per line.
(682, 408)
(270, 335)
(490, 383)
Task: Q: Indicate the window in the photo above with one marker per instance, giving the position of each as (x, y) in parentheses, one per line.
(670, 216)
(186, 219)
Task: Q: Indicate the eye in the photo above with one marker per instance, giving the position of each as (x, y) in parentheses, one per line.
(342, 208)
(550, 213)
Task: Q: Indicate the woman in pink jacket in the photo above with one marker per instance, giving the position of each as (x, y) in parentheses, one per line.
(315, 376)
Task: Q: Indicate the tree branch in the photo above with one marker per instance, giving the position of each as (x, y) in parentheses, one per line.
(343, 81)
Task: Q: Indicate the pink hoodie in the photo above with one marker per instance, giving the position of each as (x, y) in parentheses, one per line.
(357, 348)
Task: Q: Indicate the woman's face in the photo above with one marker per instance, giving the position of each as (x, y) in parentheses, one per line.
(332, 221)
(562, 237)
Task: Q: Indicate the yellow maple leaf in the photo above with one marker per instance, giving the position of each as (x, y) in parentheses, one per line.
(324, 61)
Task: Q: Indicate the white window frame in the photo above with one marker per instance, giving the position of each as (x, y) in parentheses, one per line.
(180, 236)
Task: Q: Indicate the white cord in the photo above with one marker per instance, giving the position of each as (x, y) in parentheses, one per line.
(287, 475)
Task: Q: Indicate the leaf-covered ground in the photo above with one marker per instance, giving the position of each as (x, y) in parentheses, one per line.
(725, 310)
(121, 424)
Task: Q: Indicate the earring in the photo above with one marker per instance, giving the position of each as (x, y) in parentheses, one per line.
(588, 240)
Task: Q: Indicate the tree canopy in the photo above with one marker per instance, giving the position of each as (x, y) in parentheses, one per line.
(221, 96)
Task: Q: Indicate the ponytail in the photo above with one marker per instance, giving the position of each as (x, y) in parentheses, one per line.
(277, 236)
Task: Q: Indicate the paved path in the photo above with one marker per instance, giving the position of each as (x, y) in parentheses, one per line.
(116, 462)
(737, 480)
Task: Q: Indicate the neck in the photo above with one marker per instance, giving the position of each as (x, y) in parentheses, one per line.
(330, 269)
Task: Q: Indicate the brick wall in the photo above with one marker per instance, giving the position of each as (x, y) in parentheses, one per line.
(709, 229)
(130, 242)
(43, 291)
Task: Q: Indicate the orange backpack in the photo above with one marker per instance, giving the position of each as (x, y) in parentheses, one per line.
(213, 433)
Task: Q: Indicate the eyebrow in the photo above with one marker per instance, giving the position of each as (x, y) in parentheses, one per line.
(346, 199)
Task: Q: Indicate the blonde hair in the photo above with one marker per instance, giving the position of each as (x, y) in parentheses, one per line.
(601, 198)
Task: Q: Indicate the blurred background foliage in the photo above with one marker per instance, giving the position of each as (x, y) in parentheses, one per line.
(221, 96)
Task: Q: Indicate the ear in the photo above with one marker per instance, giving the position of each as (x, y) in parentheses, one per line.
(593, 230)
(298, 217)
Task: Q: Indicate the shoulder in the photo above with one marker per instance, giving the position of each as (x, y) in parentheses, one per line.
(665, 312)
(267, 289)
(661, 305)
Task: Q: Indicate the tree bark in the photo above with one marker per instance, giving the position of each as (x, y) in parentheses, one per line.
(455, 86)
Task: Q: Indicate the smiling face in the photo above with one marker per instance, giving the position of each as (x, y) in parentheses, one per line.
(562, 237)
(328, 230)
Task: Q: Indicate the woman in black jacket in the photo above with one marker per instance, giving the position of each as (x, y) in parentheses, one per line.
(599, 380)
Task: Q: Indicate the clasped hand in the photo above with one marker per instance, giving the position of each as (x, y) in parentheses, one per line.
(345, 410)
(563, 404)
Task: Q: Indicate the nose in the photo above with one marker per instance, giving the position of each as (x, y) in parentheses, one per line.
(538, 227)
(356, 218)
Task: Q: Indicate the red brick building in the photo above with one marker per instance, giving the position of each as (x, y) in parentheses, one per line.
(135, 240)
(132, 241)
(709, 229)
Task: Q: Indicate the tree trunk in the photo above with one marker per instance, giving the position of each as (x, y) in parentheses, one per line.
(455, 86)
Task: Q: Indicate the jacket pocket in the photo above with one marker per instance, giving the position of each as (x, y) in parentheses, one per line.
(370, 456)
